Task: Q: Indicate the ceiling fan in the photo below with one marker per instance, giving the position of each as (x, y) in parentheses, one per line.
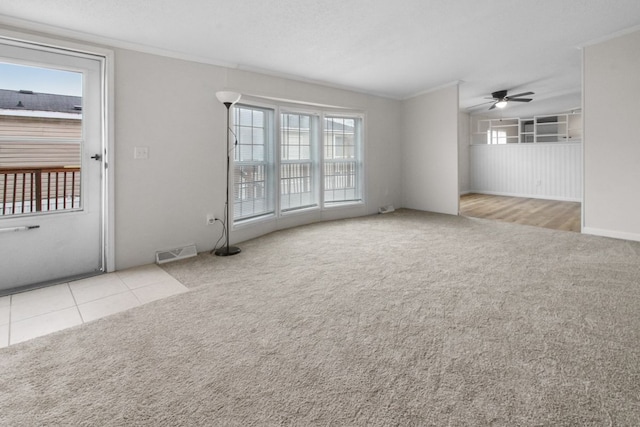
(501, 99)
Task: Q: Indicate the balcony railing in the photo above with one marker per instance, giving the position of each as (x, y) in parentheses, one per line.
(31, 190)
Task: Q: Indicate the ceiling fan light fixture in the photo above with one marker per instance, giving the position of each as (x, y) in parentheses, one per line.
(501, 104)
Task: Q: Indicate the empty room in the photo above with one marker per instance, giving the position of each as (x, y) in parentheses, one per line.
(337, 213)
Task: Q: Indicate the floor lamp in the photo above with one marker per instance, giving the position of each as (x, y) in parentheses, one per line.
(228, 99)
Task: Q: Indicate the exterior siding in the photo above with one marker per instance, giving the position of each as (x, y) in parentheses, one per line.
(39, 142)
(37, 127)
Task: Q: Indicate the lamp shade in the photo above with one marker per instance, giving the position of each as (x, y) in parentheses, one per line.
(227, 97)
(501, 104)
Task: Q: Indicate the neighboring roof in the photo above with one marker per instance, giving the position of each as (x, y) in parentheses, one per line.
(28, 103)
(338, 125)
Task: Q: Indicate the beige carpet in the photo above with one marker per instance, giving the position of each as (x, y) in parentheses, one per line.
(407, 319)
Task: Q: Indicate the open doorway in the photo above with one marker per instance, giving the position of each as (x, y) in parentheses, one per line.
(525, 170)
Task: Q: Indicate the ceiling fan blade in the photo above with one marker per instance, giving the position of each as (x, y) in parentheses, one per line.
(519, 99)
(493, 106)
(479, 105)
(520, 94)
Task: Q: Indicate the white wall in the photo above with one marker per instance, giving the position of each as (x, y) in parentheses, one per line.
(464, 133)
(430, 151)
(169, 106)
(544, 171)
(611, 205)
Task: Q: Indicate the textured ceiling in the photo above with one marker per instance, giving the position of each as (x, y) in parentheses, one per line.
(393, 48)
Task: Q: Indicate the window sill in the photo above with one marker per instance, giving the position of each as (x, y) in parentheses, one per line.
(336, 205)
(299, 211)
(252, 221)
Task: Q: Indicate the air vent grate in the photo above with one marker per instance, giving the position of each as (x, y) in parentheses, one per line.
(176, 254)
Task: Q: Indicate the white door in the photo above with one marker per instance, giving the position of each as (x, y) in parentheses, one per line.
(51, 165)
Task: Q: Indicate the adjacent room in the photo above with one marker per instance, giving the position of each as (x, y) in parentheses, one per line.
(319, 213)
(521, 161)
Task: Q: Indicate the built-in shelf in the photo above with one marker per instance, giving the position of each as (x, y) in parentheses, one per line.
(539, 129)
(527, 134)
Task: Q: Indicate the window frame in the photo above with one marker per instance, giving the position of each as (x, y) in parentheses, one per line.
(359, 144)
(316, 160)
(269, 162)
(278, 109)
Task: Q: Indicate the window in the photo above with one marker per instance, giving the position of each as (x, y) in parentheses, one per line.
(269, 184)
(298, 164)
(40, 139)
(253, 165)
(342, 162)
(497, 137)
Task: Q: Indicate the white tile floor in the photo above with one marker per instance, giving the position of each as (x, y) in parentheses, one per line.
(31, 314)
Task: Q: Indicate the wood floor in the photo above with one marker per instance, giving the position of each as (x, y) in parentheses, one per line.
(537, 212)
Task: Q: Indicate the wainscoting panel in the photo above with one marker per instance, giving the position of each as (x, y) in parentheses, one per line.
(544, 171)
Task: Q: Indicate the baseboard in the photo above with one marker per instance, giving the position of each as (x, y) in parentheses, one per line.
(529, 196)
(611, 233)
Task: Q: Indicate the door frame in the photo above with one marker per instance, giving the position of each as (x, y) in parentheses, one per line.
(106, 58)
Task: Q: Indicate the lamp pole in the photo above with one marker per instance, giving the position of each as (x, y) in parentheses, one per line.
(228, 99)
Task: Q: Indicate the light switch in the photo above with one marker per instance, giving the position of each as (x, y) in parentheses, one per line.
(141, 153)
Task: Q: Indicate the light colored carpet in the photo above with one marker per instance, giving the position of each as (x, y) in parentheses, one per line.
(405, 319)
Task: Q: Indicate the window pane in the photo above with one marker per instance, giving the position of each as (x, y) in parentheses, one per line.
(244, 117)
(296, 185)
(243, 152)
(258, 118)
(258, 136)
(342, 167)
(258, 153)
(297, 168)
(252, 171)
(40, 139)
(305, 152)
(245, 135)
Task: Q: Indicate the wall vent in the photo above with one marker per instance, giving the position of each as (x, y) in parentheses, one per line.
(176, 254)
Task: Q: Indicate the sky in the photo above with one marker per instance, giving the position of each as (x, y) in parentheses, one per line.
(37, 79)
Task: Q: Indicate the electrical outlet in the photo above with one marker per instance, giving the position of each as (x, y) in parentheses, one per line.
(141, 153)
(210, 219)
